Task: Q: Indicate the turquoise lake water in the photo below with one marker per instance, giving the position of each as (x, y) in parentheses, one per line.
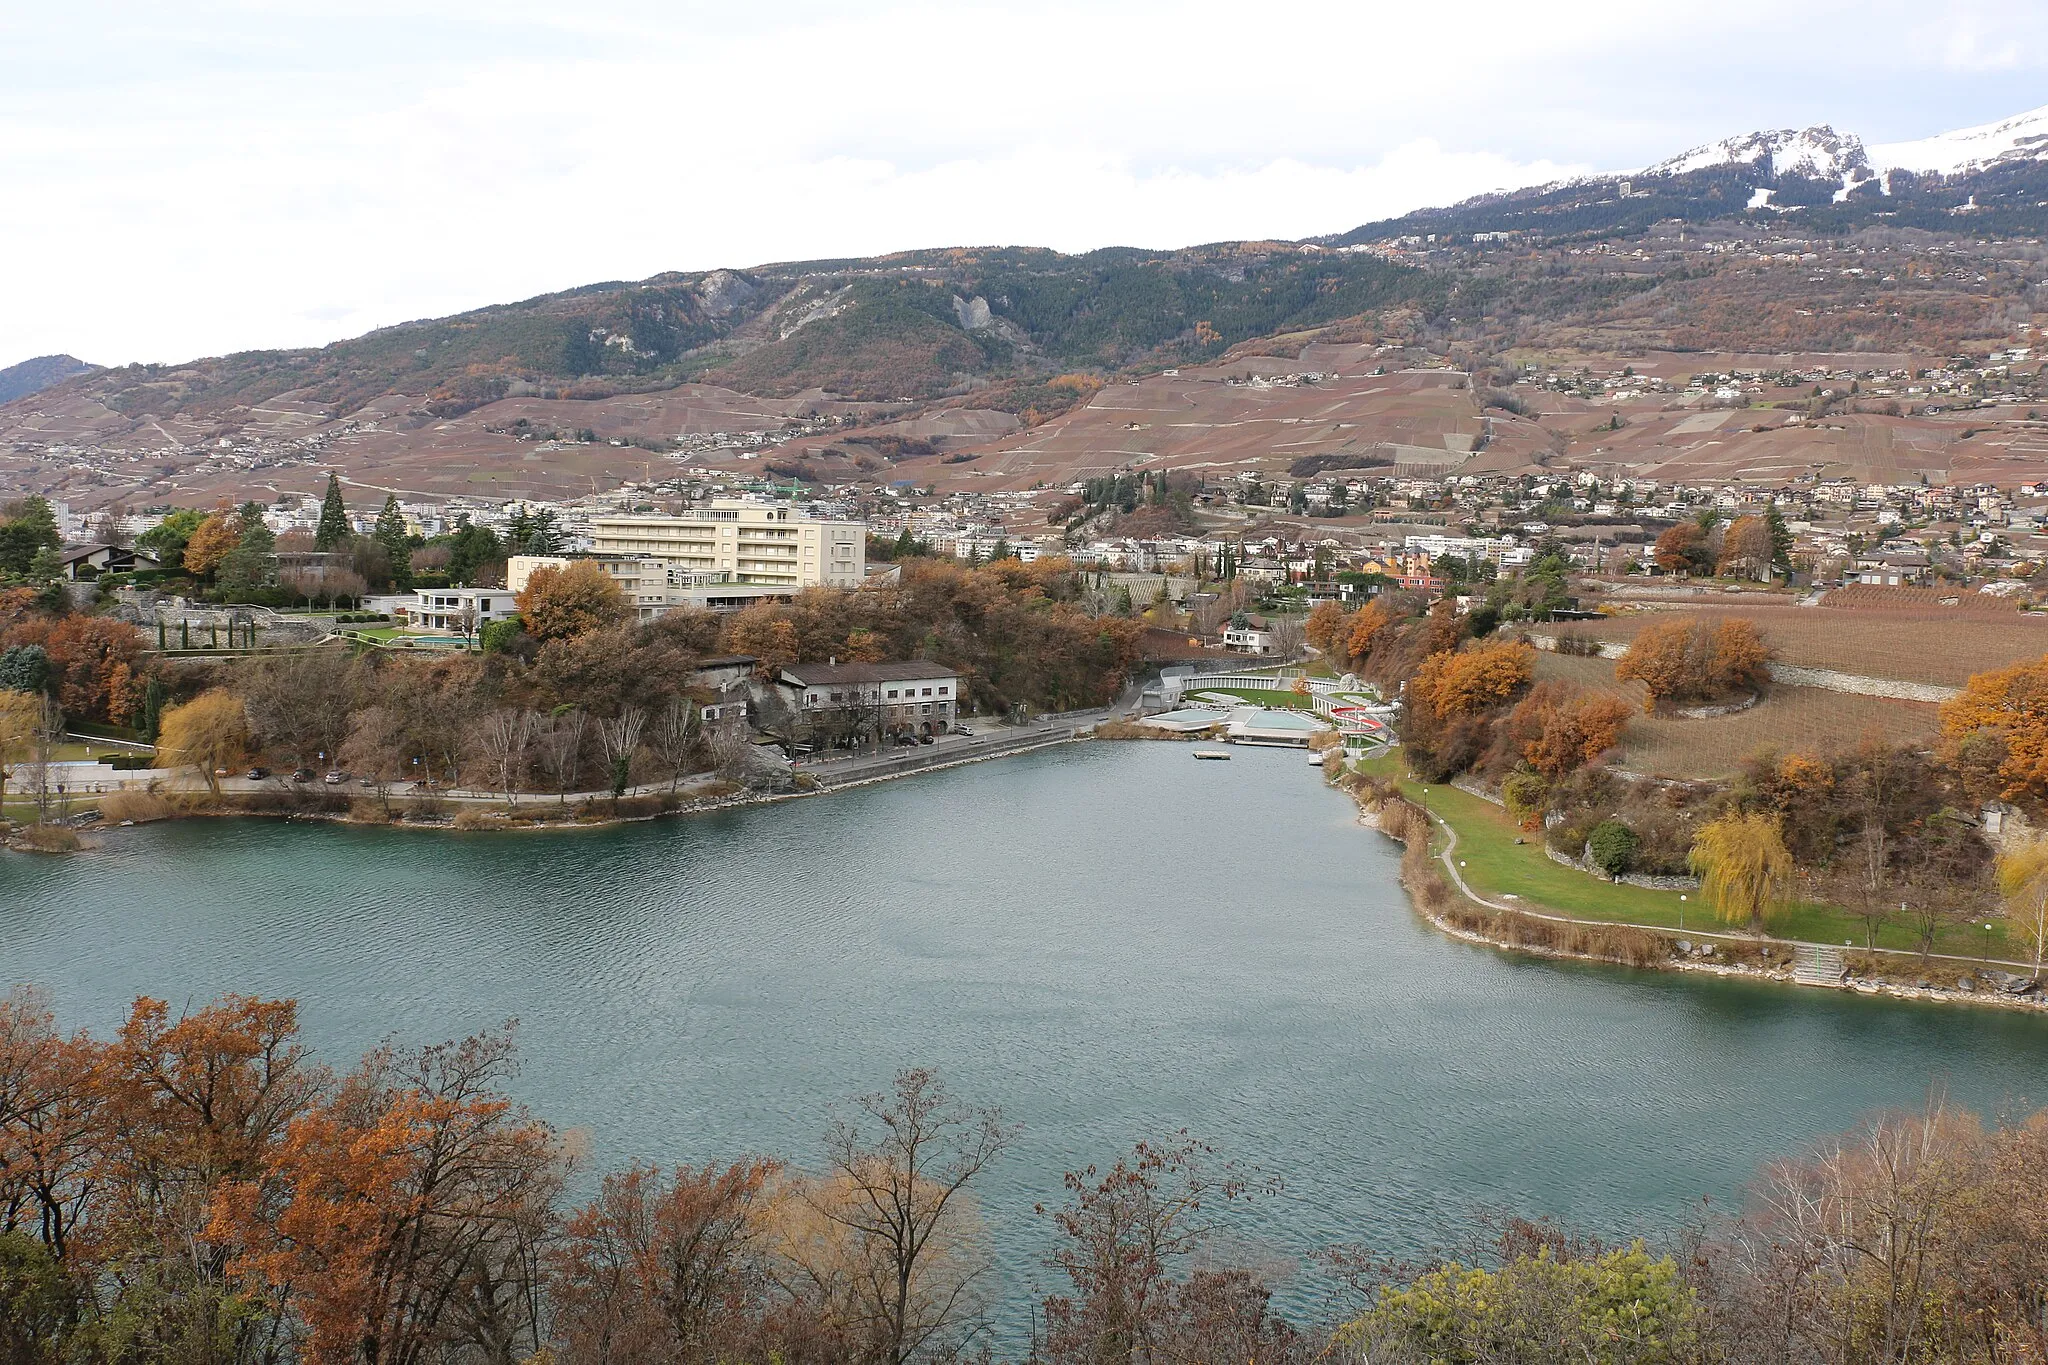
(1110, 941)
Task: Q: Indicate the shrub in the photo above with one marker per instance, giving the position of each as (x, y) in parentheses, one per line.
(1525, 795)
(426, 808)
(136, 807)
(1570, 835)
(368, 812)
(1613, 847)
(47, 839)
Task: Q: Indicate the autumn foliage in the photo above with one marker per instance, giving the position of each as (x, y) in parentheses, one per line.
(1695, 660)
(97, 665)
(558, 603)
(1560, 728)
(1998, 727)
(1463, 683)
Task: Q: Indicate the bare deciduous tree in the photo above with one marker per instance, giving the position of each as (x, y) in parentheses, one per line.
(620, 736)
(503, 737)
(562, 747)
(899, 1172)
(675, 733)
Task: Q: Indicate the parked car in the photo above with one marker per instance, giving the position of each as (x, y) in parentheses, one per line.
(257, 774)
(335, 778)
(963, 730)
(302, 775)
(926, 739)
(907, 741)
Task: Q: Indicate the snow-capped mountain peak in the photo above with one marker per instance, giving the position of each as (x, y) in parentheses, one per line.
(1819, 153)
(2023, 137)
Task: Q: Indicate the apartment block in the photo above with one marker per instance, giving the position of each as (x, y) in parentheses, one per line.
(753, 543)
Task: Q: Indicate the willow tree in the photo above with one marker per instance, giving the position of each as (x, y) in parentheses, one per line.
(1743, 867)
(2023, 881)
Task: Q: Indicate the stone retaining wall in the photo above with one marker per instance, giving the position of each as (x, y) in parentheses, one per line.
(1798, 675)
(1647, 880)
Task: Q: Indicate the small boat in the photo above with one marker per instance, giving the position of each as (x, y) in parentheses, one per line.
(1213, 753)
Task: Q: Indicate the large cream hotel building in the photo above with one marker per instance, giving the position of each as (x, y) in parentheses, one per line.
(743, 542)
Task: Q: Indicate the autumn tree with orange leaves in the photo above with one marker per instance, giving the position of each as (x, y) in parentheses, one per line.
(406, 1212)
(556, 603)
(1996, 732)
(1560, 728)
(1695, 660)
(1465, 682)
(1325, 626)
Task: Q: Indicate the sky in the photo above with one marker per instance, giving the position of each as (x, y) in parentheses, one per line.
(195, 178)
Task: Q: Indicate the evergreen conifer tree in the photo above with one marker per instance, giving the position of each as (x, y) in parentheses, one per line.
(391, 535)
(333, 532)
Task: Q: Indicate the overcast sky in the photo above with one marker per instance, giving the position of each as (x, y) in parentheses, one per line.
(191, 178)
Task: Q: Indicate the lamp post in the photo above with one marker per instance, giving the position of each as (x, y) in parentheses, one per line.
(1987, 945)
(1681, 912)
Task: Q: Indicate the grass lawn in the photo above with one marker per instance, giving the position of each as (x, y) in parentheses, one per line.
(1279, 699)
(1496, 867)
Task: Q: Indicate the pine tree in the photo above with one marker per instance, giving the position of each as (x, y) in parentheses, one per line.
(391, 535)
(1781, 537)
(334, 527)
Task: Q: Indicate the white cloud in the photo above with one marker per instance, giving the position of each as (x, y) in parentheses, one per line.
(225, 176)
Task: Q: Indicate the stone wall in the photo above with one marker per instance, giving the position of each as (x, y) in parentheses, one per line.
(1796, 675)
(1648, 881)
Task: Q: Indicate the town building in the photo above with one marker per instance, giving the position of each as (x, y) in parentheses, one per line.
(753, 543)
(461, 610)
(654, 586)
(914, 697)
(90, 561)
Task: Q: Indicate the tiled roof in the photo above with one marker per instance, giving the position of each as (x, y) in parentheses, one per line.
(825, 675)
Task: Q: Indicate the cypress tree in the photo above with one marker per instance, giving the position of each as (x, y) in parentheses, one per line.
(391, 535)
(334, 527)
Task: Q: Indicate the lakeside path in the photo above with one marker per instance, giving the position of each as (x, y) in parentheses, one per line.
(1490, 868)
(707, 789)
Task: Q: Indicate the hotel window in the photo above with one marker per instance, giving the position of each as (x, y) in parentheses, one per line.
(892, 694)
(927, 691)
(942, 691)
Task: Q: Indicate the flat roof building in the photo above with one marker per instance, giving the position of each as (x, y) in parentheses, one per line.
(753, 543)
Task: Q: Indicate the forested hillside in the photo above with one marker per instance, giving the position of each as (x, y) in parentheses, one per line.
(917, 325)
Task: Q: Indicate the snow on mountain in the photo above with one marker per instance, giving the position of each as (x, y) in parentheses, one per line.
(1821, 153)
(2023, 137)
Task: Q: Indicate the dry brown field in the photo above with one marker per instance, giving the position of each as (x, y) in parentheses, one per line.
(1809, 719)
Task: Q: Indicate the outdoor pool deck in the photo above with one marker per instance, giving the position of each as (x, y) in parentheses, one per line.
(1257, 725)
(1242, 724)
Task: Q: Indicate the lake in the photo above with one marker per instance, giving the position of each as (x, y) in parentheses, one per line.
(1110, 941)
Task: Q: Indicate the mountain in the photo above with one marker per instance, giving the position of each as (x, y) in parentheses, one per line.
(2023, 137)
(1990, 180)
(33, 376)
(1817, 153)
(913, 326)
